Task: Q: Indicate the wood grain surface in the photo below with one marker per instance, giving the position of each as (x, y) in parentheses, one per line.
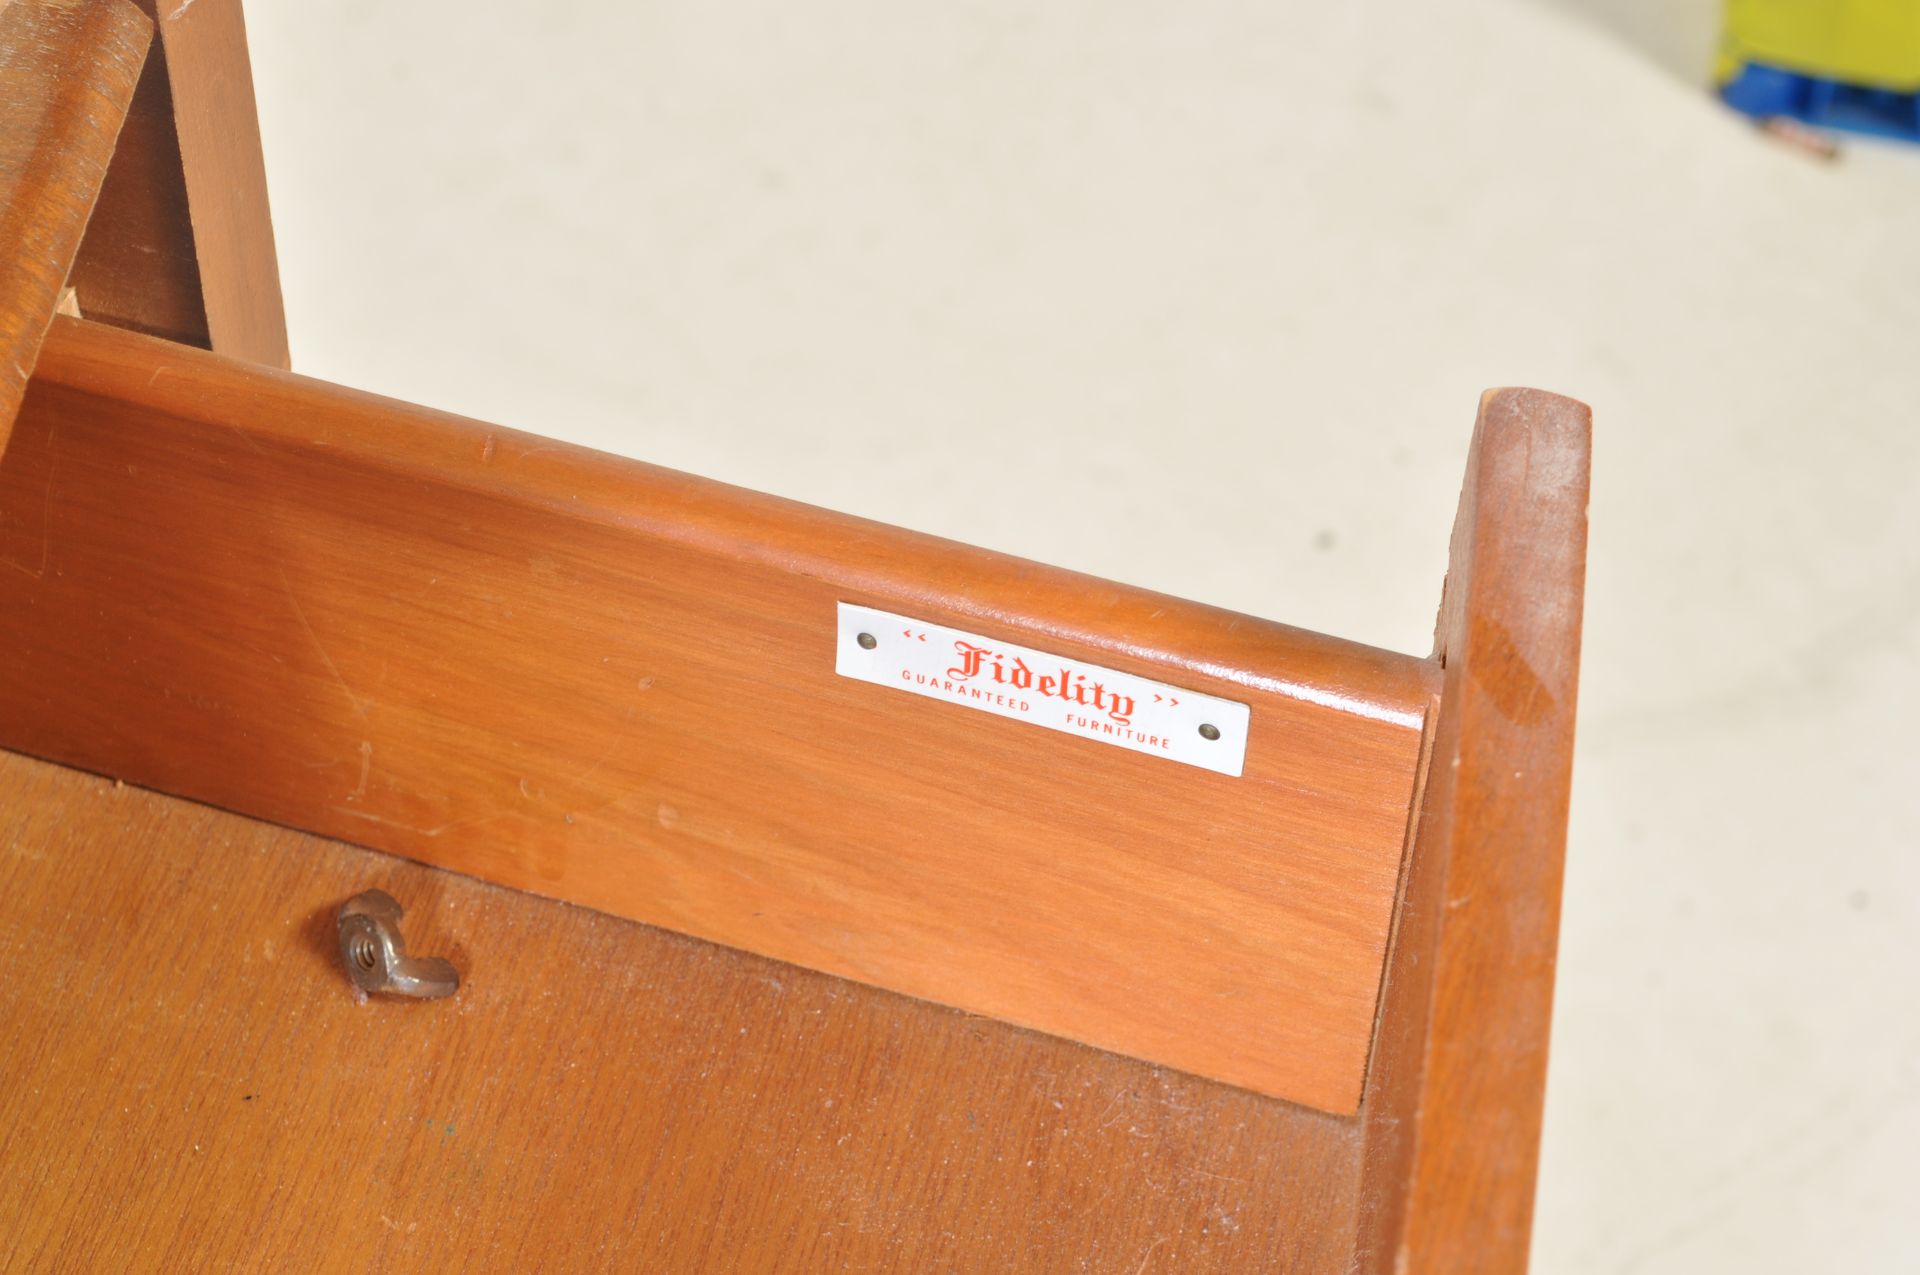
(181, 245)
(192, 1087)
(67, 75)
(1458, 1075)
(610, 683)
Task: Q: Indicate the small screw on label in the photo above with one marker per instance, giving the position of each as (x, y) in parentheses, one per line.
(867, 641)
(1209, 731)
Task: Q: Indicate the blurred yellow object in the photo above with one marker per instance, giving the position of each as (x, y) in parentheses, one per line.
(1872, 43)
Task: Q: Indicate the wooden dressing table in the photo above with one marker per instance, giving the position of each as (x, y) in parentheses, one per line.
(1142, 936)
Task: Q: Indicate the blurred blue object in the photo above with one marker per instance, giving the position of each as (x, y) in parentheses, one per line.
(1769, 92)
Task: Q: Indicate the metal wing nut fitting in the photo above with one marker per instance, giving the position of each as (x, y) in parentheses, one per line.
(375, 953)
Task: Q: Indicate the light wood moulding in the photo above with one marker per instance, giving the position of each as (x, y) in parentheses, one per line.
(614, 684)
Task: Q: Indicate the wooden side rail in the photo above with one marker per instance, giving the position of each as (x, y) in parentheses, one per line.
(617, 685)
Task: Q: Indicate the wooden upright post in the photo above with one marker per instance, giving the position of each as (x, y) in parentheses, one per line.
(1454, 1091)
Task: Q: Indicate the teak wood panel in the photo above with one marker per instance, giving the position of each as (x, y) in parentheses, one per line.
(1454, 1096)
(614, 684)
(190, 1086)
(67, 75)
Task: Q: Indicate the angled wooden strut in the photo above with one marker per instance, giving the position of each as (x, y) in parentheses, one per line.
(181, 244)
(67, 74)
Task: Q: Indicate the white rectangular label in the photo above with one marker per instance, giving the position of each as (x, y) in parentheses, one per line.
(1054, 691)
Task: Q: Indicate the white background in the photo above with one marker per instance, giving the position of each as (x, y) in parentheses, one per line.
(1201, 296)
